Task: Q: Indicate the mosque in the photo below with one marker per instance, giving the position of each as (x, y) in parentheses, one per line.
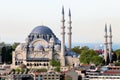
(42, 45)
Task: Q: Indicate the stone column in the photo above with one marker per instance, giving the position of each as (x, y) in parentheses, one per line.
(69, 31)
(105, 44)
(63, 39)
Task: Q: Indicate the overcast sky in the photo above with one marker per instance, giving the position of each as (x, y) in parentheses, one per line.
(19, 17)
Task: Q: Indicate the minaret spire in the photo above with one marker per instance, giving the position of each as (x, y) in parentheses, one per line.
(62, 10)
(63, 39)
(69, 31)
(110, 43)
(105, 44)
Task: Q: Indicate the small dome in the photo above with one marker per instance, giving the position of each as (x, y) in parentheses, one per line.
(38, 47)
(19, 47)
(30, 46)
(57, 47)
(22, 66)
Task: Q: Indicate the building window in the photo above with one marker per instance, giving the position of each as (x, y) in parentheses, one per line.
(15, 63)
(40, 64)
(44, 64)
(37, 64)
(28, 64)
(47, 64)
(34, 64)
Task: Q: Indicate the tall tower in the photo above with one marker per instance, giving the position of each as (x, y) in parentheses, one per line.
(110, 43)
(63, 39)
(105, 44)
(69, 31)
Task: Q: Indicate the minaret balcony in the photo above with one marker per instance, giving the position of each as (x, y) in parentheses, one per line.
(69, 33)
(63, 33)
(105, 36)
(63, 20)
(70, 27)
(69, 22)
(110, 36)
(63, 27)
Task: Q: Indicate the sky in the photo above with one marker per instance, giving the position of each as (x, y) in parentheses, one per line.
(19, 17)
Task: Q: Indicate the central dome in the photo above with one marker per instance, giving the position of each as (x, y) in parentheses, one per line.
(42, 30)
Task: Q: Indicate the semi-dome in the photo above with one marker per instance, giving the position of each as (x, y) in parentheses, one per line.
(38, 48)
(42, 30)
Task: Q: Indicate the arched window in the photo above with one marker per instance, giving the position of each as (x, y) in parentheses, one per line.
(19, 63)
(15, 63)
(40, 64)
(34, 64)
(28, 64)
(44, 64)
(37, 64)
(47, 64)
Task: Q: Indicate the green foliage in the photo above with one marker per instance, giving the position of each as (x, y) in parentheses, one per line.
(22, 70)
(97, 60)
(15, 45)
(42, 70)
(6, 52)
(67, 77)
(79, 50)
(90, 56)
(114, 57)
(57, 69)
(76, 49)
(17, 70)
(117, 63)
(85, 48)
(54, 63)
(118, 53)
(86, 56)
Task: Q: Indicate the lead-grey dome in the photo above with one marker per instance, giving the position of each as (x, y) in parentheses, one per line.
(42, 30)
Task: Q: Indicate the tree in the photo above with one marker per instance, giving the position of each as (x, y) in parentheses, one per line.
(54, 63)
(3, 54)
(114, 57)
(8, 54)
(76, 49)
(87, 55)
(79, 50)
(118, 54)
(67, 77)
(90, 56)
(97, 60)
(15, 45)
(85, 48)
(57, 69)
(17, 70)
(42, 70)
(117, 63)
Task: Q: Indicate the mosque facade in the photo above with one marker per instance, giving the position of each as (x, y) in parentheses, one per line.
(42, 45)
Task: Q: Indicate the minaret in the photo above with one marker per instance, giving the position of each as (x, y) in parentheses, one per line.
(105, 44)
(63, 39)
(110, 43)
(69, 31)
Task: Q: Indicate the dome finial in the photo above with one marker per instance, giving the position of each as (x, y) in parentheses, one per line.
(69, 12)
(42, 23)
(105, 27)
(110, 30)
(63, 10)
